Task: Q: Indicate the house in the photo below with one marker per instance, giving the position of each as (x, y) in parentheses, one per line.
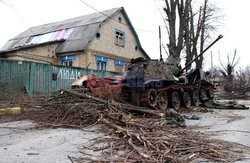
(102, 41)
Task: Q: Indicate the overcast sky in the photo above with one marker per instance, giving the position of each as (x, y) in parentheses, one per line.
(144, 14)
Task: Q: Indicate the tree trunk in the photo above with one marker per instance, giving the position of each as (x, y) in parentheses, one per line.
(199, 62)
(192, 37)
(176, 44)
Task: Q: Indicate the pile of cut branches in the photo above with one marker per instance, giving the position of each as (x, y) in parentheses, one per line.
(132, 133)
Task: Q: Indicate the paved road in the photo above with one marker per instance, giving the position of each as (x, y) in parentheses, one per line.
(229, 125)
(19, 143)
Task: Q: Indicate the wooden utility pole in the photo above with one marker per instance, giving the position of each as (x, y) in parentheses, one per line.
(161, 59)
(212, 67)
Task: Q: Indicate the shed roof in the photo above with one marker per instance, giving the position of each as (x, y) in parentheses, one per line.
(85, 29)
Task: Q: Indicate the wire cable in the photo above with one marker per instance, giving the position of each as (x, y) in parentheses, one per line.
(139, 29)
(17, 13)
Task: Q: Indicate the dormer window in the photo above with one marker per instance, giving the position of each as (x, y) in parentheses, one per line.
(119, 38)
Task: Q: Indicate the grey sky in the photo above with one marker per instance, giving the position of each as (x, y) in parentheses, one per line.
(144, 14)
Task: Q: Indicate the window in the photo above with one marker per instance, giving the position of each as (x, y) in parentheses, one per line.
(67, 60)
(120, 20)
(67, 63)
(119, 38)
(101, 66)
(101, 63)
(119, 63)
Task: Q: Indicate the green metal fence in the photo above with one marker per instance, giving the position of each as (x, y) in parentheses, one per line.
(37, 78)
(13, 76)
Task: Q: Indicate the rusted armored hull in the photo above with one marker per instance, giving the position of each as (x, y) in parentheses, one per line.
(150, 91)
(153, 84)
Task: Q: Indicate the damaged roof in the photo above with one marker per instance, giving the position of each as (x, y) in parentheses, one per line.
(85, 28)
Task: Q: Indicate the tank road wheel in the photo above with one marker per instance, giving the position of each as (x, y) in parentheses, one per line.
(175, 100)
(162, 101)
(152, 98)
(210, 94)
(186, 99)
(195, 98)
(203, 95)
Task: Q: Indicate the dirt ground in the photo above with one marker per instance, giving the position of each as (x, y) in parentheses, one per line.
(21, 141)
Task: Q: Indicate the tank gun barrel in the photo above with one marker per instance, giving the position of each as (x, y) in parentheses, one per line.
(182, 70)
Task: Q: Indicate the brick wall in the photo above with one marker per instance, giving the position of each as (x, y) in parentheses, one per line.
(42, 54)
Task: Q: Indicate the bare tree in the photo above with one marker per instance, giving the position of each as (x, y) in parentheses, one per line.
(172, 9)
(198, 30)
(202, 32)
(242, 81)
(193, 28)
(227, 70)
(192, 36)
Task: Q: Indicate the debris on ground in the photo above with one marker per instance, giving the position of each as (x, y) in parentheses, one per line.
(205, 110)
(174, 118)
(224, 105)
(191, 117)
(133, 133)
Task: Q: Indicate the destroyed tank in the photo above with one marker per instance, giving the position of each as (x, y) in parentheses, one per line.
(162, 84)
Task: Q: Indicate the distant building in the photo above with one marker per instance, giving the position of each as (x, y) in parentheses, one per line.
(102, 41)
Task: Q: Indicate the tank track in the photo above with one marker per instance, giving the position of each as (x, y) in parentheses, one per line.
(175, 96)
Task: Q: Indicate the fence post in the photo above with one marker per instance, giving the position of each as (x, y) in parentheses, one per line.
(31, 78)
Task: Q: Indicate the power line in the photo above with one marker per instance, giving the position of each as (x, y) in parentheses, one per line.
(139, 29)
(3, 2)
(17, 13)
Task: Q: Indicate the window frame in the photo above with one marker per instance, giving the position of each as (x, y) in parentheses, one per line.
(120, 19)
(67, 63)
(67, 60)
(100, 64)
(119, 63)
(117, 39)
